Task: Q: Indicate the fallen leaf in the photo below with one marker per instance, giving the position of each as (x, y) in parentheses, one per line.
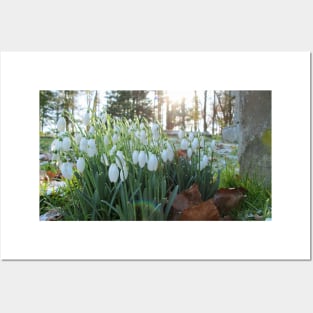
(227, 199)
(205, 211)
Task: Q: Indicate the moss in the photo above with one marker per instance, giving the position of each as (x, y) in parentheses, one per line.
(267, 138)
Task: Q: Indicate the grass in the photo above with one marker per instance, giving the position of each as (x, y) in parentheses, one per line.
(259, 197)
(45, 143)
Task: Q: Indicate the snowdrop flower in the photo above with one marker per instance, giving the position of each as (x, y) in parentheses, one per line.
(104, 160)
(112, 150)
(123, 173)
(86, 118)
(56, 145)
(181, 134)
(142, 136)
(195, 143)
(170, 153)
(83, 144)
(67, 170)
(80, 164)
(191, 136)
(135, 156)
(116, 129)
(91, 130)
(91, 148)
(113, 173)
(184, 144)
(155, 131)
(189, 153)
(106, 140)
(142, 159)
(78, 138)
(205, 160)
(115, 138)
(152, 162)
(213, 145)
(66, 144)
(142, 126)
(120, 159)
(61, 124)
(164, 155)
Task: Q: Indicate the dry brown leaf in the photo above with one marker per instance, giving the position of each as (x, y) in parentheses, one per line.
(205, 211)
(227, 199)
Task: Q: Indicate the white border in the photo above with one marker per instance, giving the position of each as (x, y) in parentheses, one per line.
(23, 74)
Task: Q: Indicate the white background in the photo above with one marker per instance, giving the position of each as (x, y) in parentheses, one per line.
(198, 25)
(286, 74)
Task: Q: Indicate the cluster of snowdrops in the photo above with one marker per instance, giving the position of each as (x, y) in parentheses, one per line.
(118, 169)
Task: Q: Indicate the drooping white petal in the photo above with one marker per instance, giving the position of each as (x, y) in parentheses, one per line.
(135, 156)
(142, 158)
(113, 173)
(83, 144)
(152, 163)
(104, 159)
(61, 124)
(184, 144)
(67, 170)
(86, 119)
(80, 164)
(123, 173)
(66, 144)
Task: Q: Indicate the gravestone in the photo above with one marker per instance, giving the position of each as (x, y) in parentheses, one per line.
(254, 114)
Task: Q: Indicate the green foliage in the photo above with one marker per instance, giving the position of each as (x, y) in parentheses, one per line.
(259, 196)
(129, 104)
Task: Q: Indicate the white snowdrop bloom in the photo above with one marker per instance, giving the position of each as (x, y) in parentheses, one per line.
(205, 160)
(66, 144)
(120, 159)
(116, 129)
(164, 155)
(91, 148)
(91, 130)
(142, 126)
(170, 153)
(67, 170)
(56, 145)
(80, 164)
(115, 138)
(195, 143)
(142, 159)
(213, 145)
(55, 157)
(202, 165)
(78, 138)
(113, 173)
(181, 134)
(86, 119)
(154, 128)
(104, 160)
(152, 162)
(83, 144)
(189, 153)
(142, 135)
(184, 144)
(191, 136)
(135, 156)
(137, 134)
(123, 173)
(112, 150)
(61, 124)
(156, 135)
(106, 140)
